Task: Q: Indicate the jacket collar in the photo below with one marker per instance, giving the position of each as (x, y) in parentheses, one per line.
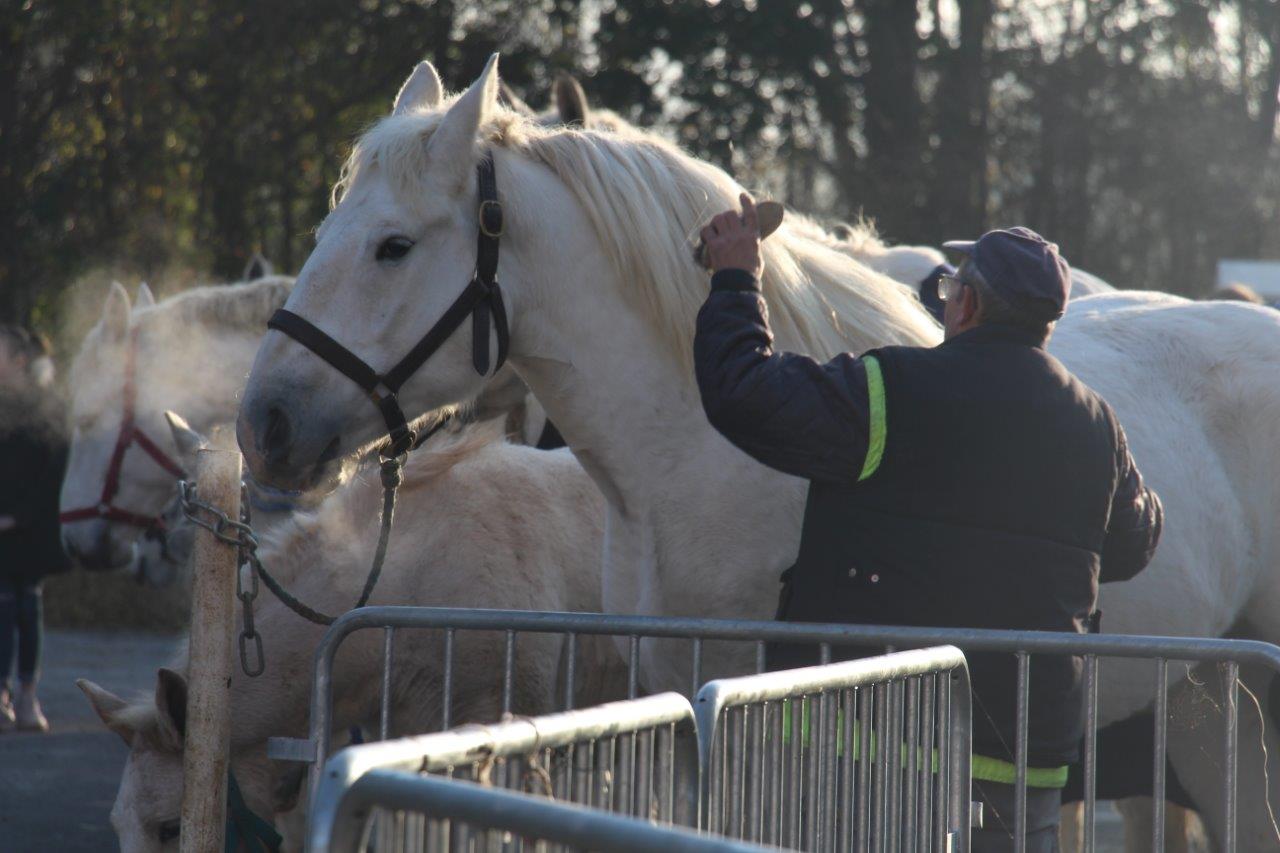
(992, 333)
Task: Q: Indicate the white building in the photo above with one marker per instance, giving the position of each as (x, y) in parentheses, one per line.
(1262, 276)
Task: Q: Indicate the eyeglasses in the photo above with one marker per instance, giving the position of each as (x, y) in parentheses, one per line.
(949, 287)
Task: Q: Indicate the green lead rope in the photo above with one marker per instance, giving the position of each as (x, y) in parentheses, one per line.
(244, 828)
(984, 768)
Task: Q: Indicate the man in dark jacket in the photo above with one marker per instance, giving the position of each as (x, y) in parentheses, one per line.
(32, 461)
(974, 484)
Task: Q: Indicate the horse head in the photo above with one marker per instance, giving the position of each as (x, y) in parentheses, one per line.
(186, 353)
(595, 270)
(391, 259)
(112, 491)
(147, 812)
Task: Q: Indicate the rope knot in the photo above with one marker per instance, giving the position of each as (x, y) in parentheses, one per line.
(392, 472)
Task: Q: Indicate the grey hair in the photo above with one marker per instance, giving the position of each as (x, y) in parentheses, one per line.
(994, 308)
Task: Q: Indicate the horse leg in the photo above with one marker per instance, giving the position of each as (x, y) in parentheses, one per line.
(1071, 827)
(1139, 813)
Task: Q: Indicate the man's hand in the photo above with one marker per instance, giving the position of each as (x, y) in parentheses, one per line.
(733, 240)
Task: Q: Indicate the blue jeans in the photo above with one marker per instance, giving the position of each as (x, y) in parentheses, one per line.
(21, 618)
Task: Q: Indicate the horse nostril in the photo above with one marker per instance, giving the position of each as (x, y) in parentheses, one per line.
(276, 436)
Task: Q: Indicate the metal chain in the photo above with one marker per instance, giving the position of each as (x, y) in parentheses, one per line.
(241, 535)
(245, 566)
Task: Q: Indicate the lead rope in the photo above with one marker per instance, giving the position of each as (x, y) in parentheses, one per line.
(240, 534)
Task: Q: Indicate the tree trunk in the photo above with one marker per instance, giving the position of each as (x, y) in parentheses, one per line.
(893, 119)
(964, 93)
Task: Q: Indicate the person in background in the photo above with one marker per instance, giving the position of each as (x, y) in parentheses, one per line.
(975, 484)
(32, 461)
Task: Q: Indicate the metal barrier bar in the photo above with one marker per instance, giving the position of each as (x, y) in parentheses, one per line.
(317, 746)
(446, 713)
(384, 727)
(530, 819)
(1090, 751)
(1020, 755)
(1161, 739)
(1231, 761)
(478, 748)
(814, 694)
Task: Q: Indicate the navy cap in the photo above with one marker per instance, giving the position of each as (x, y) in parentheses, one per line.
(1022, 267)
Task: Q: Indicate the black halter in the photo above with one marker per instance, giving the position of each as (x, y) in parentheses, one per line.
(480, 299)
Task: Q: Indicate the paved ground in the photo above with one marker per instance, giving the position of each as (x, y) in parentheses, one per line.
(56, 790)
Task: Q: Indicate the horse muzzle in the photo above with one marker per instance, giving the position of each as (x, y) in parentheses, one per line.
(281, 449)
(92, 545)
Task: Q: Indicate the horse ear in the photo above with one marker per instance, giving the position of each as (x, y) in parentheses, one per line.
(144, 299)
(258, 267)
(115, 311)
(514, 101)
(187, 440)
(571, 100)
(107, 706)
(452, 146)
(171, 707)
(421, 91)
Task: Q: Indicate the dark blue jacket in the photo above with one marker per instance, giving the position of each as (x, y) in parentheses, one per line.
(33, 459)
(975, 484)
(811, 420)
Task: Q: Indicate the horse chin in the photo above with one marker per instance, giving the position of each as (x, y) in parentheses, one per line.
(98, 549)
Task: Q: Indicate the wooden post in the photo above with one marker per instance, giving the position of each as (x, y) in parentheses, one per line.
(206, 754)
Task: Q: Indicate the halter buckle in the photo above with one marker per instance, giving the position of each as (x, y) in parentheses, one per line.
(491, 220)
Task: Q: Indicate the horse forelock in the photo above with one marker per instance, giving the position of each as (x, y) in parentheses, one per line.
(646, 200)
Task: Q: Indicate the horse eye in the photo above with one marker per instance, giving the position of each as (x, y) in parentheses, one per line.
(169, 830)
(394, 248)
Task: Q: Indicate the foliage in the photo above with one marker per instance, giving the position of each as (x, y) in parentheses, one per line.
(143, 137)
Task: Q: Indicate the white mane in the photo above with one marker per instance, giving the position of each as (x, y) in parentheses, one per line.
(244, 306)
(647, 201)
(236, 307)
(300, 541)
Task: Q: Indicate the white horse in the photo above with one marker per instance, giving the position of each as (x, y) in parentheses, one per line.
(500, 525)
(570, 105)
(190, 353)
(601, 295)
(912, 265)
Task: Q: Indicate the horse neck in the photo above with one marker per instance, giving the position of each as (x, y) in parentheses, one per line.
(633, 418)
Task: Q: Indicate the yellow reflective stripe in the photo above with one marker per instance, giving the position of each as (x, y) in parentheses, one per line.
(984, 768)
(987, 769)
(875, 396)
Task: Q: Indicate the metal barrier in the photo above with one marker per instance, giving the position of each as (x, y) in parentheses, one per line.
(831, 757)
(1022, 644)
(453, 814)
(637, 758)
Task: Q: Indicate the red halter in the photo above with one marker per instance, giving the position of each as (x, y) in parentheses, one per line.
(129, 435)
